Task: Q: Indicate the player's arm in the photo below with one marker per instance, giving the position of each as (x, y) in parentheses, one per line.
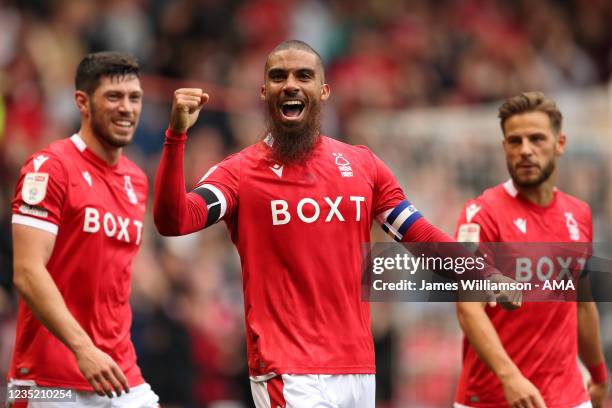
(405, 224)
(483, 337)
(589, 345)
(32, 249)
(175, 211)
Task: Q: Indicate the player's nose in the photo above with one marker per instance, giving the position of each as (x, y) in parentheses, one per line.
(526, 148)
(291, 86)
(125, 105)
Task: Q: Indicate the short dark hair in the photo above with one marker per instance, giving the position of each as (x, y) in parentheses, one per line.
(298, 45)
(531, 102)
(100, 64)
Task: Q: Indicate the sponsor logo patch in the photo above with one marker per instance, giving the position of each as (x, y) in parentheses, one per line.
(471, 211)
(87, 177)
(29, 210)
(34, 187)
(521, 224)
(213, 168)
(469, 233)
(278, 170)
(39, 161)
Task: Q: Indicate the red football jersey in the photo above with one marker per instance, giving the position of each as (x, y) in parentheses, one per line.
(540, 337)
(300, 230)
(96, 212)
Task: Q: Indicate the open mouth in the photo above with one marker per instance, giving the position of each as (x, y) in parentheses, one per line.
(292, 109)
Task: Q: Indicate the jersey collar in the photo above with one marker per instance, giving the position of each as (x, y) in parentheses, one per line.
(78, 142)
(513, 192)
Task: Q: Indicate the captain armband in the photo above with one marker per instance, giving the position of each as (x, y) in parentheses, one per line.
(396, 221)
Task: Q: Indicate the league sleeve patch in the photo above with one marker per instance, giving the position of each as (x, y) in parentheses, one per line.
(34, 188)
(468, 233)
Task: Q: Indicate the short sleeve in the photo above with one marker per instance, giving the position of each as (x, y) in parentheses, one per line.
(387, 191)
(40, 193)
(476, 224)
(219, 188)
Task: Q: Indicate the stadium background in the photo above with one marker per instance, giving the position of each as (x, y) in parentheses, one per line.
(417, 81)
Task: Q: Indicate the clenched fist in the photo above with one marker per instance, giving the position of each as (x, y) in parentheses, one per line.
(186, 107)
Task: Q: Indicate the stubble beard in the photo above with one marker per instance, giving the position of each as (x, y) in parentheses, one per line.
(293, 144)
(547, 171)
(102, 133)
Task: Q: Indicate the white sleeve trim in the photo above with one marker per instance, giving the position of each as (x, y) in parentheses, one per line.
(35, 223)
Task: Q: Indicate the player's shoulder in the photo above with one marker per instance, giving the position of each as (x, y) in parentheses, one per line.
(492, 197)
(568, 201)
(359, 150)
(54, 157)
(234, 161)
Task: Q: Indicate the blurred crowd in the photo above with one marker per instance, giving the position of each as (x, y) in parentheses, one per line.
(382, 57)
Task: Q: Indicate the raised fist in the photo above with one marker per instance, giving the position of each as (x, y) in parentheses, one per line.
(186, 107)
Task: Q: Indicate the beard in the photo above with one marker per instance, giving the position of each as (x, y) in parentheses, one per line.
(547, 171)
(101, 131)
(294, 143)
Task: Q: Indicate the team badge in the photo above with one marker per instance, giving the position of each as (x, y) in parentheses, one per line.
(572, 226)
(34, 187)
(343, 165)
(129, 189)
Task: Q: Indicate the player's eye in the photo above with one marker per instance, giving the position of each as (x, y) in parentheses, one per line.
(277, 75)
(305, 75)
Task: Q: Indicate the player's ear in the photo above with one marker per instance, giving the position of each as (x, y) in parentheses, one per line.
(560, 144)
(325, 91)
(82, 102)
(262, 93)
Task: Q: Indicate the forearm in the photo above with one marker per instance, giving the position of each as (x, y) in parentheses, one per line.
(589, 342)
(46, 303)
(484, 339)
(174, 210)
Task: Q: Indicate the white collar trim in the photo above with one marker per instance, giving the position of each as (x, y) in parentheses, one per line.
(78, 142)
(269, 140)
(510, 188)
